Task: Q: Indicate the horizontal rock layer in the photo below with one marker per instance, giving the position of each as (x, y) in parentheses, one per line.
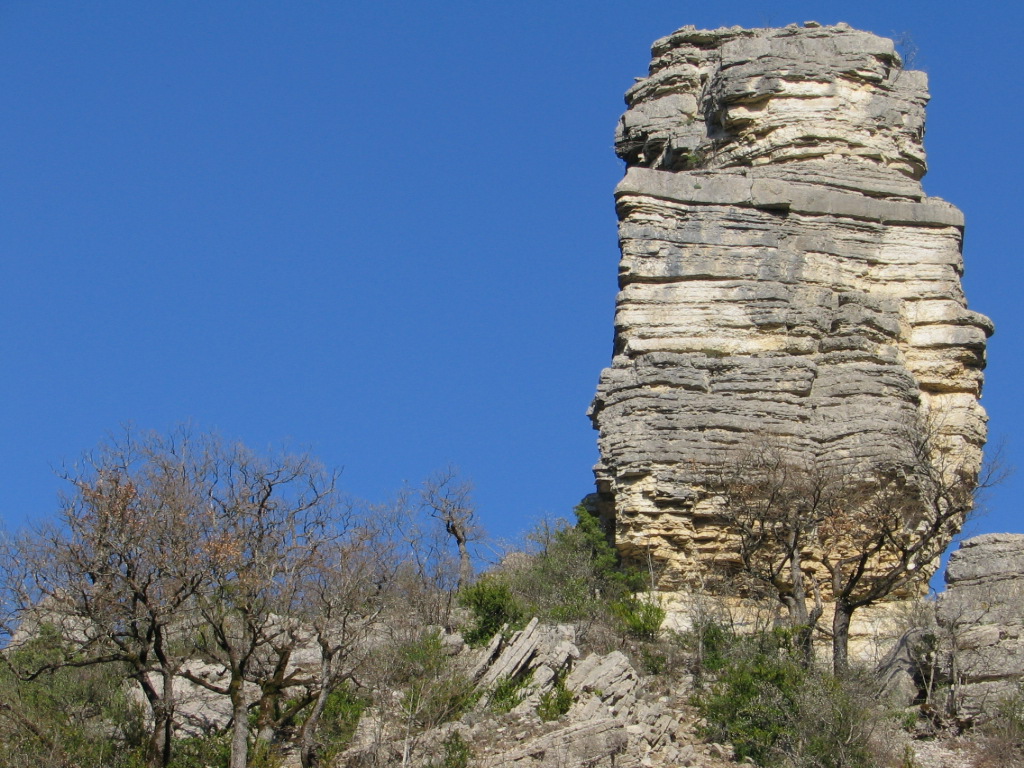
(782, 274)
(982, 612)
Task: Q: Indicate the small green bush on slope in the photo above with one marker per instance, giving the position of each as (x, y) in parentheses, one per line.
(556, 702)
(641, 619)
(67, 715)
(779, 714)
(433, 692)
(573, 575)
(493, 606)
(1002, 737)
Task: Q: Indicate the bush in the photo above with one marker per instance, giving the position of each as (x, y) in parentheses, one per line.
(750, 705)
(709, 644)
(493, 606)
(429, 703)
(457, 753)
(572, 574)
(338, 722)
(556, 702)
(201, 751)
(654, 662)
(263, 755)
(776, 712)
(639, 618)
(557, 581)
(614, 578)
(66, 715)
(433, 690)
(508, 693)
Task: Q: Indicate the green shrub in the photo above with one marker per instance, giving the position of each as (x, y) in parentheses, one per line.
(66, 715)
(639, 618)
(417, 658)
(433, 690)
(709, 644)
(1003, 735)
(654, 662)
(557, 582)
(265, 755)
(457, 753)
(211, 751)
(776, 712)
(750, 705)
(571, 574)
(574, 599)
(508, 693)
(615, 579)
(556, 702)
(338, 722)
(493, 606)
(431, 702)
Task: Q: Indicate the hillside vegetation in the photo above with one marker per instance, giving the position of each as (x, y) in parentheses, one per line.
(198, 604)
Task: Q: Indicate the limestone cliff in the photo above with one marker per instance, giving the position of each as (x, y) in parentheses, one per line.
(782, 273)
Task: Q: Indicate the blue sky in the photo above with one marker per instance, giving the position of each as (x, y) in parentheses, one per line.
(385, 230)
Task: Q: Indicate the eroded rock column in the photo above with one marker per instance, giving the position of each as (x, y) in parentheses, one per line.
(782, 274)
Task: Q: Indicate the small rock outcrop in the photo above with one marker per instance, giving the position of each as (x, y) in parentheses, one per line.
(783, 274)
(982, 614)
(611, 719)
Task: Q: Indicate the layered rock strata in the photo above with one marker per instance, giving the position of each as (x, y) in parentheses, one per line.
(982, 613)
(783, 274)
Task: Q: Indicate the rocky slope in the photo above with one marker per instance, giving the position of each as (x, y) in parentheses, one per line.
(613, 718)
(783, 274)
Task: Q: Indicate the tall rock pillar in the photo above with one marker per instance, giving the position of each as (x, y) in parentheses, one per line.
(783, 274)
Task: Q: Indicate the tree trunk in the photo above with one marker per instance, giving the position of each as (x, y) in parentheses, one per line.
(265, 730)
(800, 619)
(158, 750)
(307, 738)
(165, 722)
(841, 638)
(240, 728)
(271, 691)
(457, 532)
(465, 564)
(161, 706)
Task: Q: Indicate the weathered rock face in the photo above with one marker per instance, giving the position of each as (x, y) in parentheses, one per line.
(782, 274)
(982, 611)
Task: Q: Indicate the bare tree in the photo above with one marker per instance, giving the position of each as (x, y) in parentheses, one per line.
(118, 574)
(895, 525)
(804, 532)
(773, 501)
(350, 588)
(427, 573)
(174, 547)
(449, 501)
(268, 523)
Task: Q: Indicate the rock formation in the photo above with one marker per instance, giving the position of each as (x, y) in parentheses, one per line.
(782, 274)
(616, 718)
(965, 655)
(982, 613)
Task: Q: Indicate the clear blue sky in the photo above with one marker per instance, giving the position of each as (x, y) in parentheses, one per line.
(385, 230)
